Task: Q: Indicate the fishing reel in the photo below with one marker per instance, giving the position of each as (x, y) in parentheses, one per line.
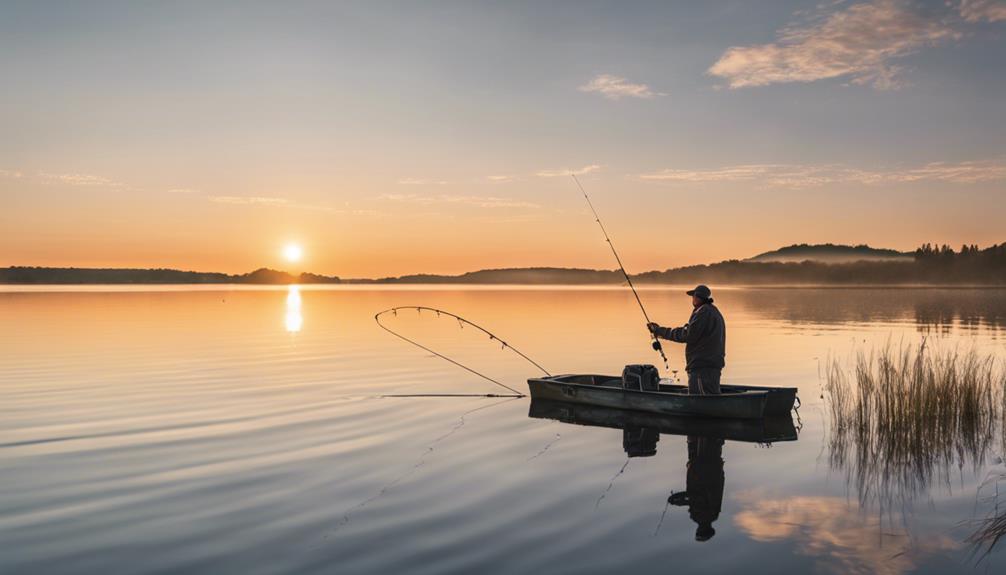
(660, 349)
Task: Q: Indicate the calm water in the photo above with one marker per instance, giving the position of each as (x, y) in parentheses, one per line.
(242, 431)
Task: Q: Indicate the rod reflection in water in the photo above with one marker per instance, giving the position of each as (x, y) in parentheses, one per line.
(294, 317)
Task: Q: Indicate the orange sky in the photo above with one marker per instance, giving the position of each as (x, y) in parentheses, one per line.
(652, 228)
(209, 139)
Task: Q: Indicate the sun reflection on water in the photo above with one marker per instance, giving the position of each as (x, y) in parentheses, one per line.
(294, 318)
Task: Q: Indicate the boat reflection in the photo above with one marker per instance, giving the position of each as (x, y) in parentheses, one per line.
(765, 430)
(705, 477)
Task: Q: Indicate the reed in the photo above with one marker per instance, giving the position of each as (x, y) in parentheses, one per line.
(903, 416)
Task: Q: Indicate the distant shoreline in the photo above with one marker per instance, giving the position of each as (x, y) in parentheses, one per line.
(928, 267)
(167, 287)
(648, 280)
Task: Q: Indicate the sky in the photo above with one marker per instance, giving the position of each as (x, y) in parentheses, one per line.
(388, 138)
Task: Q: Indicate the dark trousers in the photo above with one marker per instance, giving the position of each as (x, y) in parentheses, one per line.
(705, 381)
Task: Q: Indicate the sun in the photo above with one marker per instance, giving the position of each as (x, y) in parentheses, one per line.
(293, 253)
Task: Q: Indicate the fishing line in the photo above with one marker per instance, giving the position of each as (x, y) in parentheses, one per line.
(461, 322)
(449, 395)
(420, 462)
(656, 342)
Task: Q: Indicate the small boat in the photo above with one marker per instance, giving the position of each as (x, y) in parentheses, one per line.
(765, 430)
(734, 401)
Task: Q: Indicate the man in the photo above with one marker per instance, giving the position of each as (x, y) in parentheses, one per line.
(705, 339)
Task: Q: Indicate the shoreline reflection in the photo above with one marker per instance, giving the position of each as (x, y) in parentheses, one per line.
(938, 310)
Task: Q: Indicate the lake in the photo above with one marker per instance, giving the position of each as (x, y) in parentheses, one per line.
(244, 430)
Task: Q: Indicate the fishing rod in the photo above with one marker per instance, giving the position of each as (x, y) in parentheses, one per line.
(461, 322)
(656, 342)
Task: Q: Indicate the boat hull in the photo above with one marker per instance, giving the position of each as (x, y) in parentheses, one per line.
(736, 402)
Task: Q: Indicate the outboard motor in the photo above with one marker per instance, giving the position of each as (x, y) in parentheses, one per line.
(640, 377)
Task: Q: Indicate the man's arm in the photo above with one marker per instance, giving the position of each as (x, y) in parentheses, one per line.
(688, 333)
(677, 334)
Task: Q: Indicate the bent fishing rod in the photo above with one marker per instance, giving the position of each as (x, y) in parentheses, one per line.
(656, 342)
(461, 323)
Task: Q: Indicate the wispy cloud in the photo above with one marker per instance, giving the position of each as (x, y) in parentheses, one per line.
(809, 176)
(93, 181)
(616, 87)
(477, 201)
(420, 182)
(248, 200)
(514, 218)
(274, 202)
(567, 171)
(963, 173)
(73, 179)
(86, 180)
(501, 179)
(725, 174)
(983, 10)
(859, 42)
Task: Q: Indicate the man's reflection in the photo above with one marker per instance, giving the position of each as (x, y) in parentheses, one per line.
(704, 478)
(704, 484)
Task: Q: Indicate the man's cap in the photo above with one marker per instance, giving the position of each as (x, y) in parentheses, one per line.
(702, 291)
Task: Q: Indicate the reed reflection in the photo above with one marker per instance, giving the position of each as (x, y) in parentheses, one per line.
(294, 318)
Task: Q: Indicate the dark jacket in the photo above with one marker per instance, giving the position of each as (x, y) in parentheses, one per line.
(704, 336)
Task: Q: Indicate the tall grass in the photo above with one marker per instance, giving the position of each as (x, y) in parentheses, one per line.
(903, 417)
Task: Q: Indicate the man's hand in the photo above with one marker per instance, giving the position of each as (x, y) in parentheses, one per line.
(653, 327)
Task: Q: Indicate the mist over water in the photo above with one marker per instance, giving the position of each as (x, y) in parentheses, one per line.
(224, 430)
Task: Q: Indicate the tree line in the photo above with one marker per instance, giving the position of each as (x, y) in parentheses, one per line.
(931, 264)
